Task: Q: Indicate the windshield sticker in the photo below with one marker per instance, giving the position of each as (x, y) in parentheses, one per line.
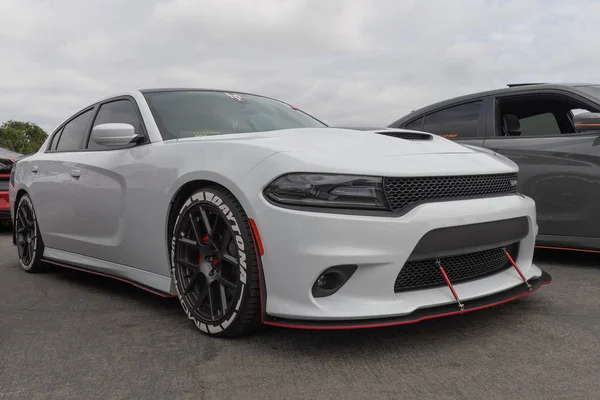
(235, 96)
(206, 133)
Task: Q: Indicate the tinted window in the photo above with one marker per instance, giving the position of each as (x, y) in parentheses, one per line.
(55, 140)
(455, 122)
(73, 132)
(203, 113)
(415, 125)
(120, 111)
(539, 125)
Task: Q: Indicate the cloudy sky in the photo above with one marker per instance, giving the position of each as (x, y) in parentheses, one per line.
(364, 62)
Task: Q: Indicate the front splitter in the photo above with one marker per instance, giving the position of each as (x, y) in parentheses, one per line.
(419, 315)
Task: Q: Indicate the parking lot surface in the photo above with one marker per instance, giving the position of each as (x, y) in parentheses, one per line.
(66, 334)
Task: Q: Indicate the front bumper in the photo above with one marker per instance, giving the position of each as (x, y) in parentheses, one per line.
(300, 245)
(422, 314)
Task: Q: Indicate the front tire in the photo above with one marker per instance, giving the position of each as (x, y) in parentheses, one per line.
(27, 236)
(214, 265)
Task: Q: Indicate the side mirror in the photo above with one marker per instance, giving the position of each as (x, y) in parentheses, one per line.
(114, 134)
(586, 122)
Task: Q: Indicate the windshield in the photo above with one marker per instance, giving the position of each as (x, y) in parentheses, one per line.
(182, 114)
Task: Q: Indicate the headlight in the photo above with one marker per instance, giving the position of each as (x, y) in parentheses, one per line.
(328, 190)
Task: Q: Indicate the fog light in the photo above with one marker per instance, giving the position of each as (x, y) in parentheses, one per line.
(332, 279)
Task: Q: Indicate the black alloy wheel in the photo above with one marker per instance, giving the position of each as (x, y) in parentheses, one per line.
(27, 236)
(216, 289)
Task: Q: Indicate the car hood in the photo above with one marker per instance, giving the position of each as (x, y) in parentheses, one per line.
(361, 152)
(347, 141)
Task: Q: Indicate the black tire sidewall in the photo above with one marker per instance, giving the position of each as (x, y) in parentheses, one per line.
(246, 257)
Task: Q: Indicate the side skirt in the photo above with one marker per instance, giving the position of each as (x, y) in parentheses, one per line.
(419, 315)
(148, 281)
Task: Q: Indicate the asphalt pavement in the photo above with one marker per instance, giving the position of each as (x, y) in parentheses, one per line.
(68, 335)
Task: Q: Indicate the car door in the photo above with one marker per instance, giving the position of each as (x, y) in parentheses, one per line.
(105, 188)
(463, 122)
(52, 189)
(559, 168)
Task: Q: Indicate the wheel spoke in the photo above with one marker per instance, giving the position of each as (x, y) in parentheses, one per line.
(227, 283)
(210, 301)
(203, 293)
(223, 299)
(189, 242)
(214, 227)
(206, 222)
(227, 237)
(26, 216)
(188, 288)
(193, 223)
(188, 264)
(230, 259)
(26, 252)
(22, 219)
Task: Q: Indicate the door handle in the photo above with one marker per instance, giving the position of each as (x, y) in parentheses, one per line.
(34, 169)
(75, 173)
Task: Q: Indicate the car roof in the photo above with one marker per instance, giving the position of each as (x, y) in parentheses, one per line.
(189, 89)
(510, 88)
(192, 89)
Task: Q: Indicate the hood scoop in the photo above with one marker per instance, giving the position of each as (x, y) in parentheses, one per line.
(407, 135)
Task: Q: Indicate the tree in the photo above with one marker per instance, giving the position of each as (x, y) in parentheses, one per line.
(21, 137)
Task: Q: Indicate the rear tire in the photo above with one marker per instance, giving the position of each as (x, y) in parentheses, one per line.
(214, 264)
(27, 236)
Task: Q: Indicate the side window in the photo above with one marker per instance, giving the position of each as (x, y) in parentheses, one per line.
(541, 124)
(55, 139)
(456, 122)
(74, 132)
(538, 115)
(416, 125)
(120, 111)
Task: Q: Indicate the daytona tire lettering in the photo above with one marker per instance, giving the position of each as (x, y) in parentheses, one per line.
(243, 302)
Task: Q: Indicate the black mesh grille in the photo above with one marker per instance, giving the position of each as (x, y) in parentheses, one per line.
(408, 135)
(426, 273)
(401, 192)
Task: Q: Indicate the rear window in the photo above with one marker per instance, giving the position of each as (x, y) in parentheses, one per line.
(181, 114)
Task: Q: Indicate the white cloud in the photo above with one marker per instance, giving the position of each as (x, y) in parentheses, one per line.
(346, 62)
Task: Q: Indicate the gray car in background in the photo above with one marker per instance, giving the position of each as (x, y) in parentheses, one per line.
(552, 131)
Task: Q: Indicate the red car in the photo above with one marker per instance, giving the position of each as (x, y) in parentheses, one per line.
(7, 159)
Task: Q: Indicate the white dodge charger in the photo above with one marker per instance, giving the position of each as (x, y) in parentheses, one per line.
(252, 212)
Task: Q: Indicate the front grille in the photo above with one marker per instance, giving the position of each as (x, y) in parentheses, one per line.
(426, 273)
(3, 185)
(402, 192)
